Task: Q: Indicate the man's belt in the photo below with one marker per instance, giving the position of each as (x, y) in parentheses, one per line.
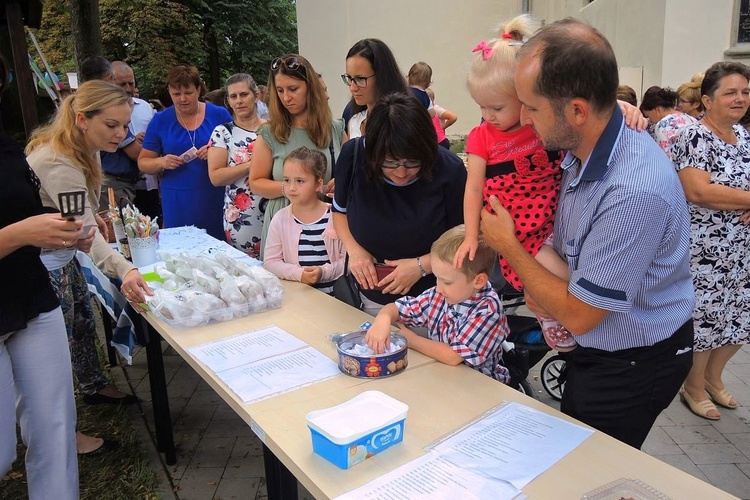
(121, 178)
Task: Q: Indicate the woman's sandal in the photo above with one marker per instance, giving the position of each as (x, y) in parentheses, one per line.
(721, 397)
(700, 408)
(106, 446)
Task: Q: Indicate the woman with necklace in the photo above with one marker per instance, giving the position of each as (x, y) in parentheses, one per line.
(229, 153)
(713, 162)
(176, 146)
(300, 116)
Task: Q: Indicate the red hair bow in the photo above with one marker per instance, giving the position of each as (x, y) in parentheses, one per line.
(484, 48)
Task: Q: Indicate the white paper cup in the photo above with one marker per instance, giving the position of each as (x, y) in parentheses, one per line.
(143, 250)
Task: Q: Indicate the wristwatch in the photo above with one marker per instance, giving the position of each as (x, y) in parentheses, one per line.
(421, 269)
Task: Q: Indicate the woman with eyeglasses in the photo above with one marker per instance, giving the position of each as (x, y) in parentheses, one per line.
(176, 146)
(371, 72)
(299, 116)
(403, 193)
(689, 97)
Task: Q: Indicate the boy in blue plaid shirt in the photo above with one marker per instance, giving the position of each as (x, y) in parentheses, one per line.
(463, 313)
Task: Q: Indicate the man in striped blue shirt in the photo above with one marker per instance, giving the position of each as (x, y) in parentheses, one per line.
(623, 227)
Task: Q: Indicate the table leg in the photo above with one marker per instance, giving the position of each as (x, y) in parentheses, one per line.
(107, 323)
(280, 483)
(159, 397)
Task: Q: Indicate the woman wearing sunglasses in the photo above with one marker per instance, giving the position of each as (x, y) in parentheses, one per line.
(371, 72)
(403, 193)
(299, 116)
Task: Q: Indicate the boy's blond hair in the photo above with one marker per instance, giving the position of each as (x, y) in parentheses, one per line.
(447, 245)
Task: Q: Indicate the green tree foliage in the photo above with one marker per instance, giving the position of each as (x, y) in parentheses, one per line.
(152, 36)
(251, 33)
(55, 37)
(228, 36)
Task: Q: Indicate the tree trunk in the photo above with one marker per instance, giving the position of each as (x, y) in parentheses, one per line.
(212, 49)
(87, 37)
(19, 51)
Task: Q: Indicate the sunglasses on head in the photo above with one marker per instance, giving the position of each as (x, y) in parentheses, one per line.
(291, 63)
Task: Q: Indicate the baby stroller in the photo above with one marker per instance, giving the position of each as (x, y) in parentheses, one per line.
(525, 346)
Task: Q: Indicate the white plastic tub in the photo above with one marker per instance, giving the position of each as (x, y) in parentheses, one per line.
(353, 431)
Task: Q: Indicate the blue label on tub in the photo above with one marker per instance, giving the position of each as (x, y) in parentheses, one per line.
(348, 455)
(385, 438)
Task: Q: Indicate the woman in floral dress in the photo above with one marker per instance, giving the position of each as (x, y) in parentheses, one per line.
(713, 162)
(229, 153)
(658, 106)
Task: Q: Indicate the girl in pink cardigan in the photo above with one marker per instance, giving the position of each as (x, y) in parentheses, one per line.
(301, 244)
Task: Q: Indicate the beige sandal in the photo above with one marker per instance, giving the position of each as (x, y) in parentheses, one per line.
(721, 397)
(700, 408)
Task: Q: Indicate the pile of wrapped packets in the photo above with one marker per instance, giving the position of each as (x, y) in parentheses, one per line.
(197, 290)
(360, 348)
(138, 225)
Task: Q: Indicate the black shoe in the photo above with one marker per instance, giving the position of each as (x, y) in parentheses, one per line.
(107, 446)
(98, 399)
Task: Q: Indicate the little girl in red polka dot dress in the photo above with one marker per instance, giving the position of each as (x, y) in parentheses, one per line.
(509, 161)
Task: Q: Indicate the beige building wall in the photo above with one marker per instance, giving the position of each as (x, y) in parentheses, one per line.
(439, 32)
(696, 34)
(657, 42)
(670, 39)
(633, 27)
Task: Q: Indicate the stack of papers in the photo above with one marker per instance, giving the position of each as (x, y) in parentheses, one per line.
(494, 457)
(264, 362)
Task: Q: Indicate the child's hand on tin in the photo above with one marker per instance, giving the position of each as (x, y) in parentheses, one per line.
(378, 336)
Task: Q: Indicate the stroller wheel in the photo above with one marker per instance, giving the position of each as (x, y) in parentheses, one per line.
(524, 387)
(552, 370)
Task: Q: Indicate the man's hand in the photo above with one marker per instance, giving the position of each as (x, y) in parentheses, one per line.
(499, 230)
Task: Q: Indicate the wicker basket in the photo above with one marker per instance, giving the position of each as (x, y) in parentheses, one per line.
(107, 216)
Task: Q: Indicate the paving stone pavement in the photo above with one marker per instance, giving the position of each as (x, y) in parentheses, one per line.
(219, 458)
